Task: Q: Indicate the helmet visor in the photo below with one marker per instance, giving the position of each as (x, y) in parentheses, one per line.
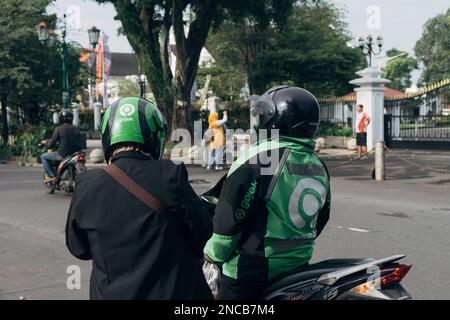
(263, 110)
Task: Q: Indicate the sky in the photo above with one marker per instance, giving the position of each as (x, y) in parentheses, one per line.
(400, 22)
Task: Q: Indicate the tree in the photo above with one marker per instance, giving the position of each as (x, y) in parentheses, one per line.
(226, 81)
(433, 48)
(311, 51)
(128, 88)
(147, 25)
(399, 69)
(15, 18)
(30, 73)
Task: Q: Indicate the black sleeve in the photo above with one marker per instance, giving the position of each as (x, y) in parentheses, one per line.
(196, 221)
(238, 200)
(55, 139)
(237, 204)
(323, 217)
(76, 238)
(324, 213)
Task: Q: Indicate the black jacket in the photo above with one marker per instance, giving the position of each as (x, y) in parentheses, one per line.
(67, 139)
(138, 253)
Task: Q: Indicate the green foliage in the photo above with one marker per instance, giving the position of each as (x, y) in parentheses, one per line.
(128, 88)
(310, 51)
(399, 69)
(238, 116)
(433, 49)
(26, 144)
(30, 72)
(5, 151)
(86, 118)
(226, 80)
(330, 129)
(147, 25)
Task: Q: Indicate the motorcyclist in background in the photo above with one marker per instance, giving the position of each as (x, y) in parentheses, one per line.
(265, 224)
(139, 252)
(66, 138)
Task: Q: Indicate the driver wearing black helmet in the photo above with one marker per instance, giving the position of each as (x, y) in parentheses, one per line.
(266, 221)
(66, 138)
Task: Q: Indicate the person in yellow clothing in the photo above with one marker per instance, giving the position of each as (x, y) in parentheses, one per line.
(217, 141)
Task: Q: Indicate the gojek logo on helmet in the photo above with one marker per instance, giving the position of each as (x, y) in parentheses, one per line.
(127, 110)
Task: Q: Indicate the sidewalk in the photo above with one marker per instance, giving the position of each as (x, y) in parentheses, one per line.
(322, 153)
(336, 153)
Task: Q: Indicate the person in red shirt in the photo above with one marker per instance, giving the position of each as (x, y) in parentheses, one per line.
(362, 121)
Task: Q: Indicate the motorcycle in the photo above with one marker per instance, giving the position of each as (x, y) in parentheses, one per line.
(334, 279)
(66, 171)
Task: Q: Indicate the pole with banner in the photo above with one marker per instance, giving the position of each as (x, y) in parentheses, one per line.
(99, 78)
(106, 69)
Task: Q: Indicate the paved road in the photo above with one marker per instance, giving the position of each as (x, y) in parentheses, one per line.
(408, 213)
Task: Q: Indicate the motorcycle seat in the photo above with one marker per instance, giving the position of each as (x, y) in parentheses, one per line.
(311, 271)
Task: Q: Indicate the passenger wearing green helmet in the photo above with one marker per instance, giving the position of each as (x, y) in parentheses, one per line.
(141, 248)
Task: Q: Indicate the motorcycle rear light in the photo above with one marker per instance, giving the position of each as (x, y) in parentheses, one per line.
(81, 158)
(365, 288)
(370, 288)
(396, 276)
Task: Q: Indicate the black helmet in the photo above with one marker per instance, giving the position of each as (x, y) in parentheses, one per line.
(293, 111)
(66, 116)
(134, 121)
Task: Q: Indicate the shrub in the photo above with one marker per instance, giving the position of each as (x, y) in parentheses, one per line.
(5, 151)
(332, 129)
(26, 143)
(86, 120)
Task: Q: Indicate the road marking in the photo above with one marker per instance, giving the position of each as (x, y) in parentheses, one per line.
(352, 229)
(358, 230)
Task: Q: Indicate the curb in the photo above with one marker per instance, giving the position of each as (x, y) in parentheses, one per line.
(24, 164)
(39, 165)
(176, 160)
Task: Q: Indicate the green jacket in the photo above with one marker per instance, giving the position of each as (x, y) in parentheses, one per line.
(274, 203)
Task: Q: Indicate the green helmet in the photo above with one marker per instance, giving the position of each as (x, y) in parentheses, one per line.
(136, 121)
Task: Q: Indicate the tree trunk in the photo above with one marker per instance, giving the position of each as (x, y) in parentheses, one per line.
(181, 107)
(5, 130)
(149, 38)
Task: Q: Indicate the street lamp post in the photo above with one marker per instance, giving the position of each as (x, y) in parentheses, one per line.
(94, 35)
(367, 47)
(45, 36)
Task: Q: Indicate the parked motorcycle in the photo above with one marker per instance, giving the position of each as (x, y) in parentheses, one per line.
(334, 279)
(66, 171)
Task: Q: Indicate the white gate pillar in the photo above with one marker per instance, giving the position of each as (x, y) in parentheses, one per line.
(370, 93)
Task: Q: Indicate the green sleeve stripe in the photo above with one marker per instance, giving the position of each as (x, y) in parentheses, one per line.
(230, 268)
(219, 248)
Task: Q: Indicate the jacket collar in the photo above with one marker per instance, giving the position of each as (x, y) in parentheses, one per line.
(304, 142)
(130, 154)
